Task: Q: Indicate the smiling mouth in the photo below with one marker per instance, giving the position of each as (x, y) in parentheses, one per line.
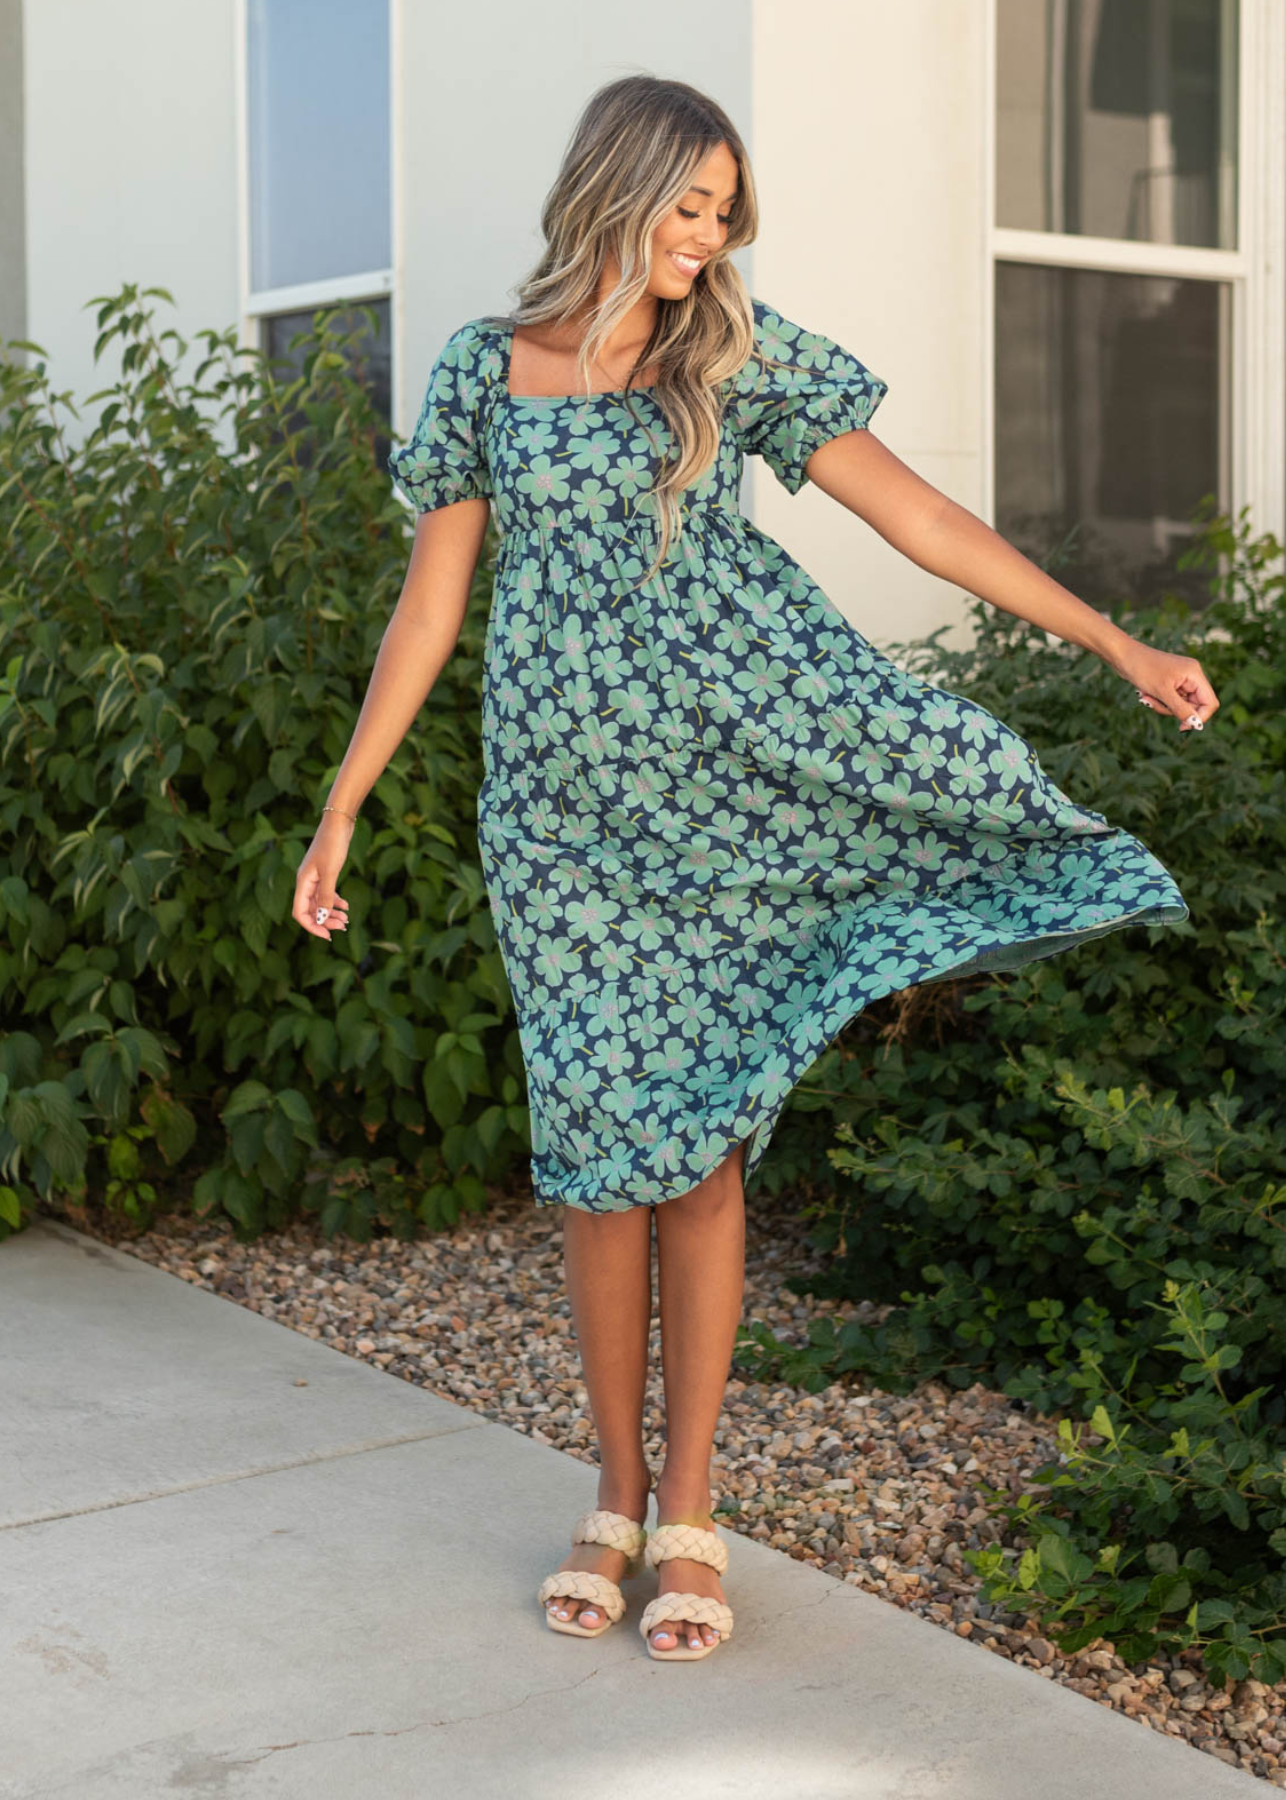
(687, 265)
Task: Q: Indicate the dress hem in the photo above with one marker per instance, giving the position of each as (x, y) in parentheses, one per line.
(1012, 953)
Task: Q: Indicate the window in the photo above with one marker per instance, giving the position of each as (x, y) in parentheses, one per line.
(1115, 265)
(1118, 119)
(318, 173)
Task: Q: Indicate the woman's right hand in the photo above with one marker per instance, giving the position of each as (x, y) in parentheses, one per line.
(318, 908)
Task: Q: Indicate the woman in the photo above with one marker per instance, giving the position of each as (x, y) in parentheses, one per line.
(714, 821)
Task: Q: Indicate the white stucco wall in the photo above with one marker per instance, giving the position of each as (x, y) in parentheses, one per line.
(130, 161)
(869, 147)
(13, 185)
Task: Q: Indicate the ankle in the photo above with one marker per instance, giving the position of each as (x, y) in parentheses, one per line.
(626, 1494)
(682, 1505)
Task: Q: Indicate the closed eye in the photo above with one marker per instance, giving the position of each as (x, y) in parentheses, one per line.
(723, 218)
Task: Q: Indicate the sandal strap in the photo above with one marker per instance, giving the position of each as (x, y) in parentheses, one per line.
(583, 1584)
(598, 1526)
(702, 1609)
(692, 1541)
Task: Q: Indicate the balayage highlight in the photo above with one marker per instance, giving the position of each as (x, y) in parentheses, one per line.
(632, 157)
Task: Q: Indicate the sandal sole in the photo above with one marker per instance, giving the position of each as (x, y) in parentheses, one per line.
(677, 1655)
(570, 1628)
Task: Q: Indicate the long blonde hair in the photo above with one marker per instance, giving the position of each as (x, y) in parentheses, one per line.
(632, 156)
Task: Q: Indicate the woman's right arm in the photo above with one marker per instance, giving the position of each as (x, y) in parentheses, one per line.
(416, 644)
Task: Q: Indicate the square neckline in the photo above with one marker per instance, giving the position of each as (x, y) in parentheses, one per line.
(597, 394)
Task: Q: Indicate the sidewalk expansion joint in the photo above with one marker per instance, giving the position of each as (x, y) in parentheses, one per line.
(190, 1487)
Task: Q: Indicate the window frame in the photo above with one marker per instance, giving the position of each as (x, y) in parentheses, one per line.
(256, 305)
(1254, 272)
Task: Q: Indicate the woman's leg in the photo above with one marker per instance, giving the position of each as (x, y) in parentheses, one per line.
(701, 1245)
(608, 1263)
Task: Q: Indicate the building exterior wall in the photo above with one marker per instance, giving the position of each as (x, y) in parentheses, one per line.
(130, 170)
(13, 191)
(871, 188)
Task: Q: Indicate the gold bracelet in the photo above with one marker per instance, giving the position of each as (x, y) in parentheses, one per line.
(339, 809)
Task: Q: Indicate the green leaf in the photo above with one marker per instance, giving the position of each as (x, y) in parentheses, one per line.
(81, 1025)
(1101, 1422)
(1214, 1611)
(1056, 1555)
(298, 1112)
(1235, 1507)
(247, 1097)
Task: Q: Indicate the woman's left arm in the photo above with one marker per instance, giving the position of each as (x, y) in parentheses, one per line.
(948, 540)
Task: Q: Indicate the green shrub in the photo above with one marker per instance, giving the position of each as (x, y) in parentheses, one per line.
(192, 601)
(1071, 1179)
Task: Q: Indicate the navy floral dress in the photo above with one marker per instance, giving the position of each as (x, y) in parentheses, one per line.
(715, 822)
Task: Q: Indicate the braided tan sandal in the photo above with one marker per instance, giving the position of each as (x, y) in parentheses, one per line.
(700, 1545)
(595, 1527)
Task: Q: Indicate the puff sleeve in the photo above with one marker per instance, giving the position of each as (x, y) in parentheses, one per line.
(784, 415)
(445, 457)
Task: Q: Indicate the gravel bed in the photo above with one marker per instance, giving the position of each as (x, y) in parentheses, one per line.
(877, 1489)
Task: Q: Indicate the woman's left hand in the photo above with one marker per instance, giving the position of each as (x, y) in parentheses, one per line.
(1170, 684)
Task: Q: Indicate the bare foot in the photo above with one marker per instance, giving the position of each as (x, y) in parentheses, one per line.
(680, 1574)
(599, 1558)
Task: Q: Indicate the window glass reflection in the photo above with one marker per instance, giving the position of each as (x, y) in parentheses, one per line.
(1109, 427)
(1118, 119)
(318, 100)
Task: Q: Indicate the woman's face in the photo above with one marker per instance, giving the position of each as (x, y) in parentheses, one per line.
(696, 227)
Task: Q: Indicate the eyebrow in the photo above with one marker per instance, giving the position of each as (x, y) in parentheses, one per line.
(694, 189)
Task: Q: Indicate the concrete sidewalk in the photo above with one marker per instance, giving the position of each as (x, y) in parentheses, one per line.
(215, 1580)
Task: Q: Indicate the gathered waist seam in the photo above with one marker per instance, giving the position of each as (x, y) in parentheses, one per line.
(618, 527)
